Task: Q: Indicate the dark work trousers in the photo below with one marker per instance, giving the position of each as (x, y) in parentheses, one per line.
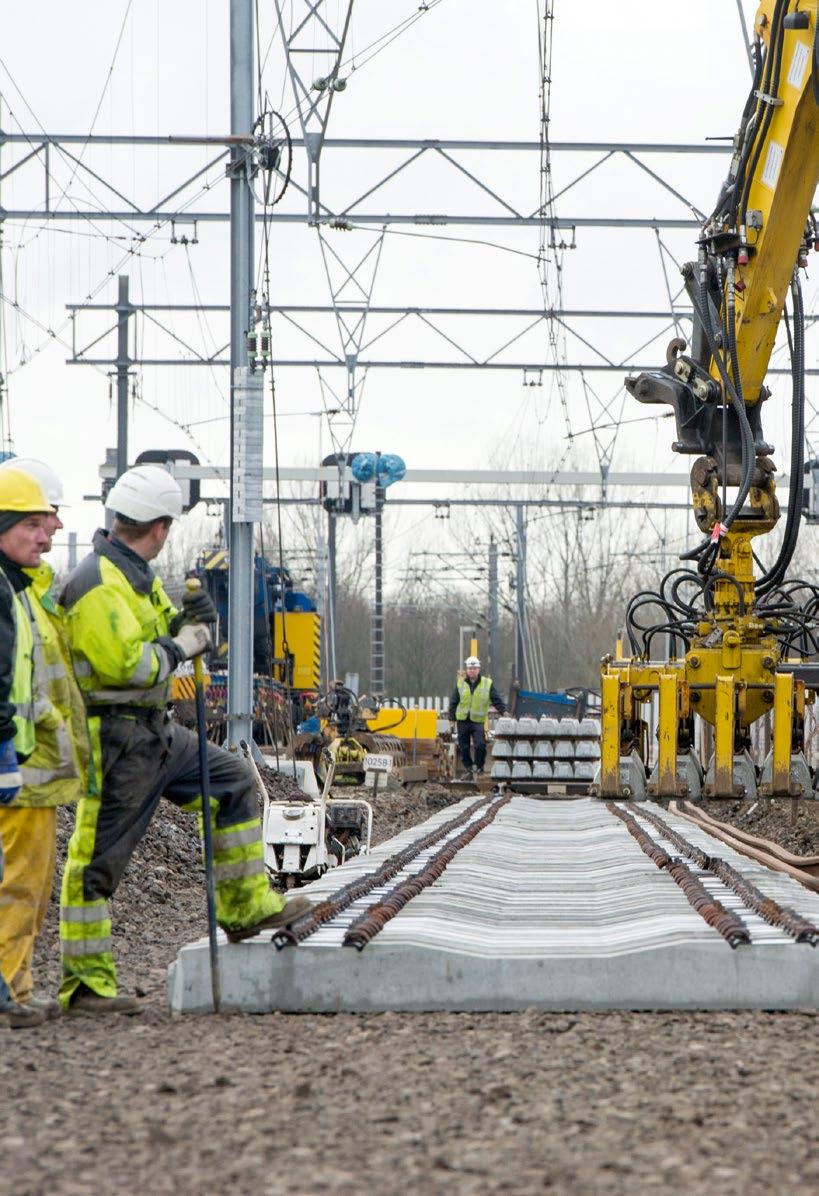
(469, 733)
(143, 760)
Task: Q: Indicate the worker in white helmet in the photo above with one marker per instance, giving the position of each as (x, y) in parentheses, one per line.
(56, 771)
(126, 640)
(468, 709)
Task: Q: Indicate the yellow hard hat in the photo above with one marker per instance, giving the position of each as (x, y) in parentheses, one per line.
(19, 491)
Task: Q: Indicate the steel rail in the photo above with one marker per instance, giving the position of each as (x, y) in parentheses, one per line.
(372, 920)
(302, 927)
(724, 921)
(766, 907)
(804, 869)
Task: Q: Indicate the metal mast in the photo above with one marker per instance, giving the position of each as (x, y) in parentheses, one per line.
(493, 606)
(377, 623)
(520, 596)
(123, 365)
(245, 390)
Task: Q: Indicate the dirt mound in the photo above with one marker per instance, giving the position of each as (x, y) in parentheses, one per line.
(278, 786)
(772, 819)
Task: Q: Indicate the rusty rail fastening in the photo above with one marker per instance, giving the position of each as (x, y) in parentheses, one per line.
(370, 921)
(782, 916)
(301, 928)
(728, 924)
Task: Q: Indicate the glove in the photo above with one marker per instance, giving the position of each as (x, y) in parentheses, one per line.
(192, 639)
(11, 780)
(197, 606)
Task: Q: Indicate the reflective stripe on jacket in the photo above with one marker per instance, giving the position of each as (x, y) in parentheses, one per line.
(56, 772)
(473, 704)
(22, 685)
(20, 653)
(117, 616)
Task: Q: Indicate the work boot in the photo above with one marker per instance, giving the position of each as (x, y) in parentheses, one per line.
(293, 909)
(46, 1005)
(466, 775)
(18, 1016)
(85, 1002)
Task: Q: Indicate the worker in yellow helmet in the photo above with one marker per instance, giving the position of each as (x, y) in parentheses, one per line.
(126, 640)
(55, 773)
(24, 536)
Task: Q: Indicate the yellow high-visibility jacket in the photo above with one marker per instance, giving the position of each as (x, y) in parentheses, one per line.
(16, 661)
(117, 620)
(56, 771)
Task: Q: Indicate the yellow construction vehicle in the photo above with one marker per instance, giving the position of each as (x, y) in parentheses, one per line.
(737, 642)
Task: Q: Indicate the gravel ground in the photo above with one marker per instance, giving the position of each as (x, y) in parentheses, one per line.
(455, 1103)
(773, 820)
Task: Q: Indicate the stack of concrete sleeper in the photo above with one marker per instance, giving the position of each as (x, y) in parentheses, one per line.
(545, 749)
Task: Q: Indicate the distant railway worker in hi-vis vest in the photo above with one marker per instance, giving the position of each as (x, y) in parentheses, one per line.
(126, 640)
(55, 773)
(468, 707)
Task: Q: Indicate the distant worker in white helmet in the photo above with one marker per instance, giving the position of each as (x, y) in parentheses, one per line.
(126, 640)
(468, 708)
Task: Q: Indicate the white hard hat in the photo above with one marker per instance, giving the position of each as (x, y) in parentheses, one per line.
(144, 493)
(472, 662)
(42, 473)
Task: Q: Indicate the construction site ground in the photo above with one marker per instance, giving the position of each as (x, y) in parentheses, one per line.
(465, 1103)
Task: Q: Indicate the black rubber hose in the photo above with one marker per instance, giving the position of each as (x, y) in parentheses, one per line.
(720, 576)
(669, 590)
(793, 521)
(770, 87)
(733, 185)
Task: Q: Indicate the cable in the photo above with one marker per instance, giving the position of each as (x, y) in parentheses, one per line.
(796, 344)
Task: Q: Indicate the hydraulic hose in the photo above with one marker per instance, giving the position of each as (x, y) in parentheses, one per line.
(732, 186)
(793, 520)
(770, 87)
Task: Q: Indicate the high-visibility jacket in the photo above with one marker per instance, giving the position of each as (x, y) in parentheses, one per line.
(56, 772)
(117, 620)
(21, 692)
(473, 703)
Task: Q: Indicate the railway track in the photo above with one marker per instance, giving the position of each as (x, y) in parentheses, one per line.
(504, 902)
(805, 869)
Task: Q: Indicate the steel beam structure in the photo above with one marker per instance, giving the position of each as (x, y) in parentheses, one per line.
(458, 477)
(521, 670)
(532, 368)
(309, 208)
(240, 598)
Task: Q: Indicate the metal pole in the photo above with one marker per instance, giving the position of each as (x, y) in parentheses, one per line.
(377, 633)
(123, 364)
(6, 441)
(493, 605)
(331, 596)
(321, 584)
(520, 597)
(321, 601)
(72, 550)
(240, 595)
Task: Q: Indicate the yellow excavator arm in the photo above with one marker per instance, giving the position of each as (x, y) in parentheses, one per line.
(735, 640)
(772, 214)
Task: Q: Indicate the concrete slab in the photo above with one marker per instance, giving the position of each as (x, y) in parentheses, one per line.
(551, 906)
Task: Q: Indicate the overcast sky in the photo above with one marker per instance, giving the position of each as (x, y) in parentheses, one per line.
(636, 71)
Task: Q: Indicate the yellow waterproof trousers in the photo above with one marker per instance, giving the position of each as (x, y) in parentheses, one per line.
(29, 838)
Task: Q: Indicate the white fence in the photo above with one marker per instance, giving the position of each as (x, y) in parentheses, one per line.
(440, 704)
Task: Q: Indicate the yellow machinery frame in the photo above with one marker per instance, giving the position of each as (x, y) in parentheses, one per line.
(733, 674)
